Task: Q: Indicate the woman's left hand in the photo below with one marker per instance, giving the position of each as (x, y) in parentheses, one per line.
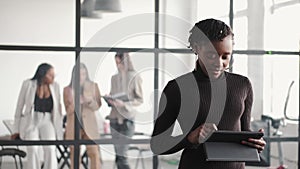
(259, 144)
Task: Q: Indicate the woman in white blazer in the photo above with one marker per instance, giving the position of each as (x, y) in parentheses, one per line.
(38, 116)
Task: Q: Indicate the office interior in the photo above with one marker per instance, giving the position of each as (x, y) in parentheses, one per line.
(155, 33)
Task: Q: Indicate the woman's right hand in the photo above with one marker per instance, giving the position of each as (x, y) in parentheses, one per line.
(200, 134)
(15, 136)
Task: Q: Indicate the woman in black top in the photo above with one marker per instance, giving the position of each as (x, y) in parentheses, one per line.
(209, 94)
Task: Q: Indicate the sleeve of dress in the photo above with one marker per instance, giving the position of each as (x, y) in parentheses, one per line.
(162, 141)
(246, 117)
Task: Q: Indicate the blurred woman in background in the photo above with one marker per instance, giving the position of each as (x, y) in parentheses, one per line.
(125, 82)
(90, 100)
(38, 116)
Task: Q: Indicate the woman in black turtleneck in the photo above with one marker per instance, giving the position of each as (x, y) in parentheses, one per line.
(209, 94)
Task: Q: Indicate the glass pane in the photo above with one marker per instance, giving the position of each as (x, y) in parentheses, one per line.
(18, 66)
(173, 65)
(170, 37)
(35, 22)
(240, 30)
(102, 66)
(258, 26)
(177, 19)
(132, 27)
(240, 64)
(280, 71)
(213, 9)
(277, 21)
(238, 7)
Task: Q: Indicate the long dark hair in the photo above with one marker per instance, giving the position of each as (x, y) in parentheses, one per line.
(41, 72)
(82, 66)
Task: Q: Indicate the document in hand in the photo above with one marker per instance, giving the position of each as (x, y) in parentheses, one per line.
(120, 96)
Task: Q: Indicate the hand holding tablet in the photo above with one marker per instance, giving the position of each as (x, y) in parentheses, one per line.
(207, 130)
(225, 145)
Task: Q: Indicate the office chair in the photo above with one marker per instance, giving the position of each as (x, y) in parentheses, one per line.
(13, 152)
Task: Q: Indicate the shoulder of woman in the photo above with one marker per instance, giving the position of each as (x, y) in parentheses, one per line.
(242, 80)
(90, 84)
(115, 75)
(237, 76)
(29, 83)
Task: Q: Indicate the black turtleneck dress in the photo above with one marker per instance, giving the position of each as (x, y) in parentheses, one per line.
(193, 99)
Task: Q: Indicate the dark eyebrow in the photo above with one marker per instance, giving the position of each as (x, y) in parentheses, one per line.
(227, 53)
(214, 51)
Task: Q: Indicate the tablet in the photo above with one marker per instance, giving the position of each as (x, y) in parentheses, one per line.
(233, 136)
(228, 151)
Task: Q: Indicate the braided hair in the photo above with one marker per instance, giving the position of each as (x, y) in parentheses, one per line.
(208, 30)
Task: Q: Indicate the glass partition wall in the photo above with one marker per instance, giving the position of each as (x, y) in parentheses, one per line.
(155, 34)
